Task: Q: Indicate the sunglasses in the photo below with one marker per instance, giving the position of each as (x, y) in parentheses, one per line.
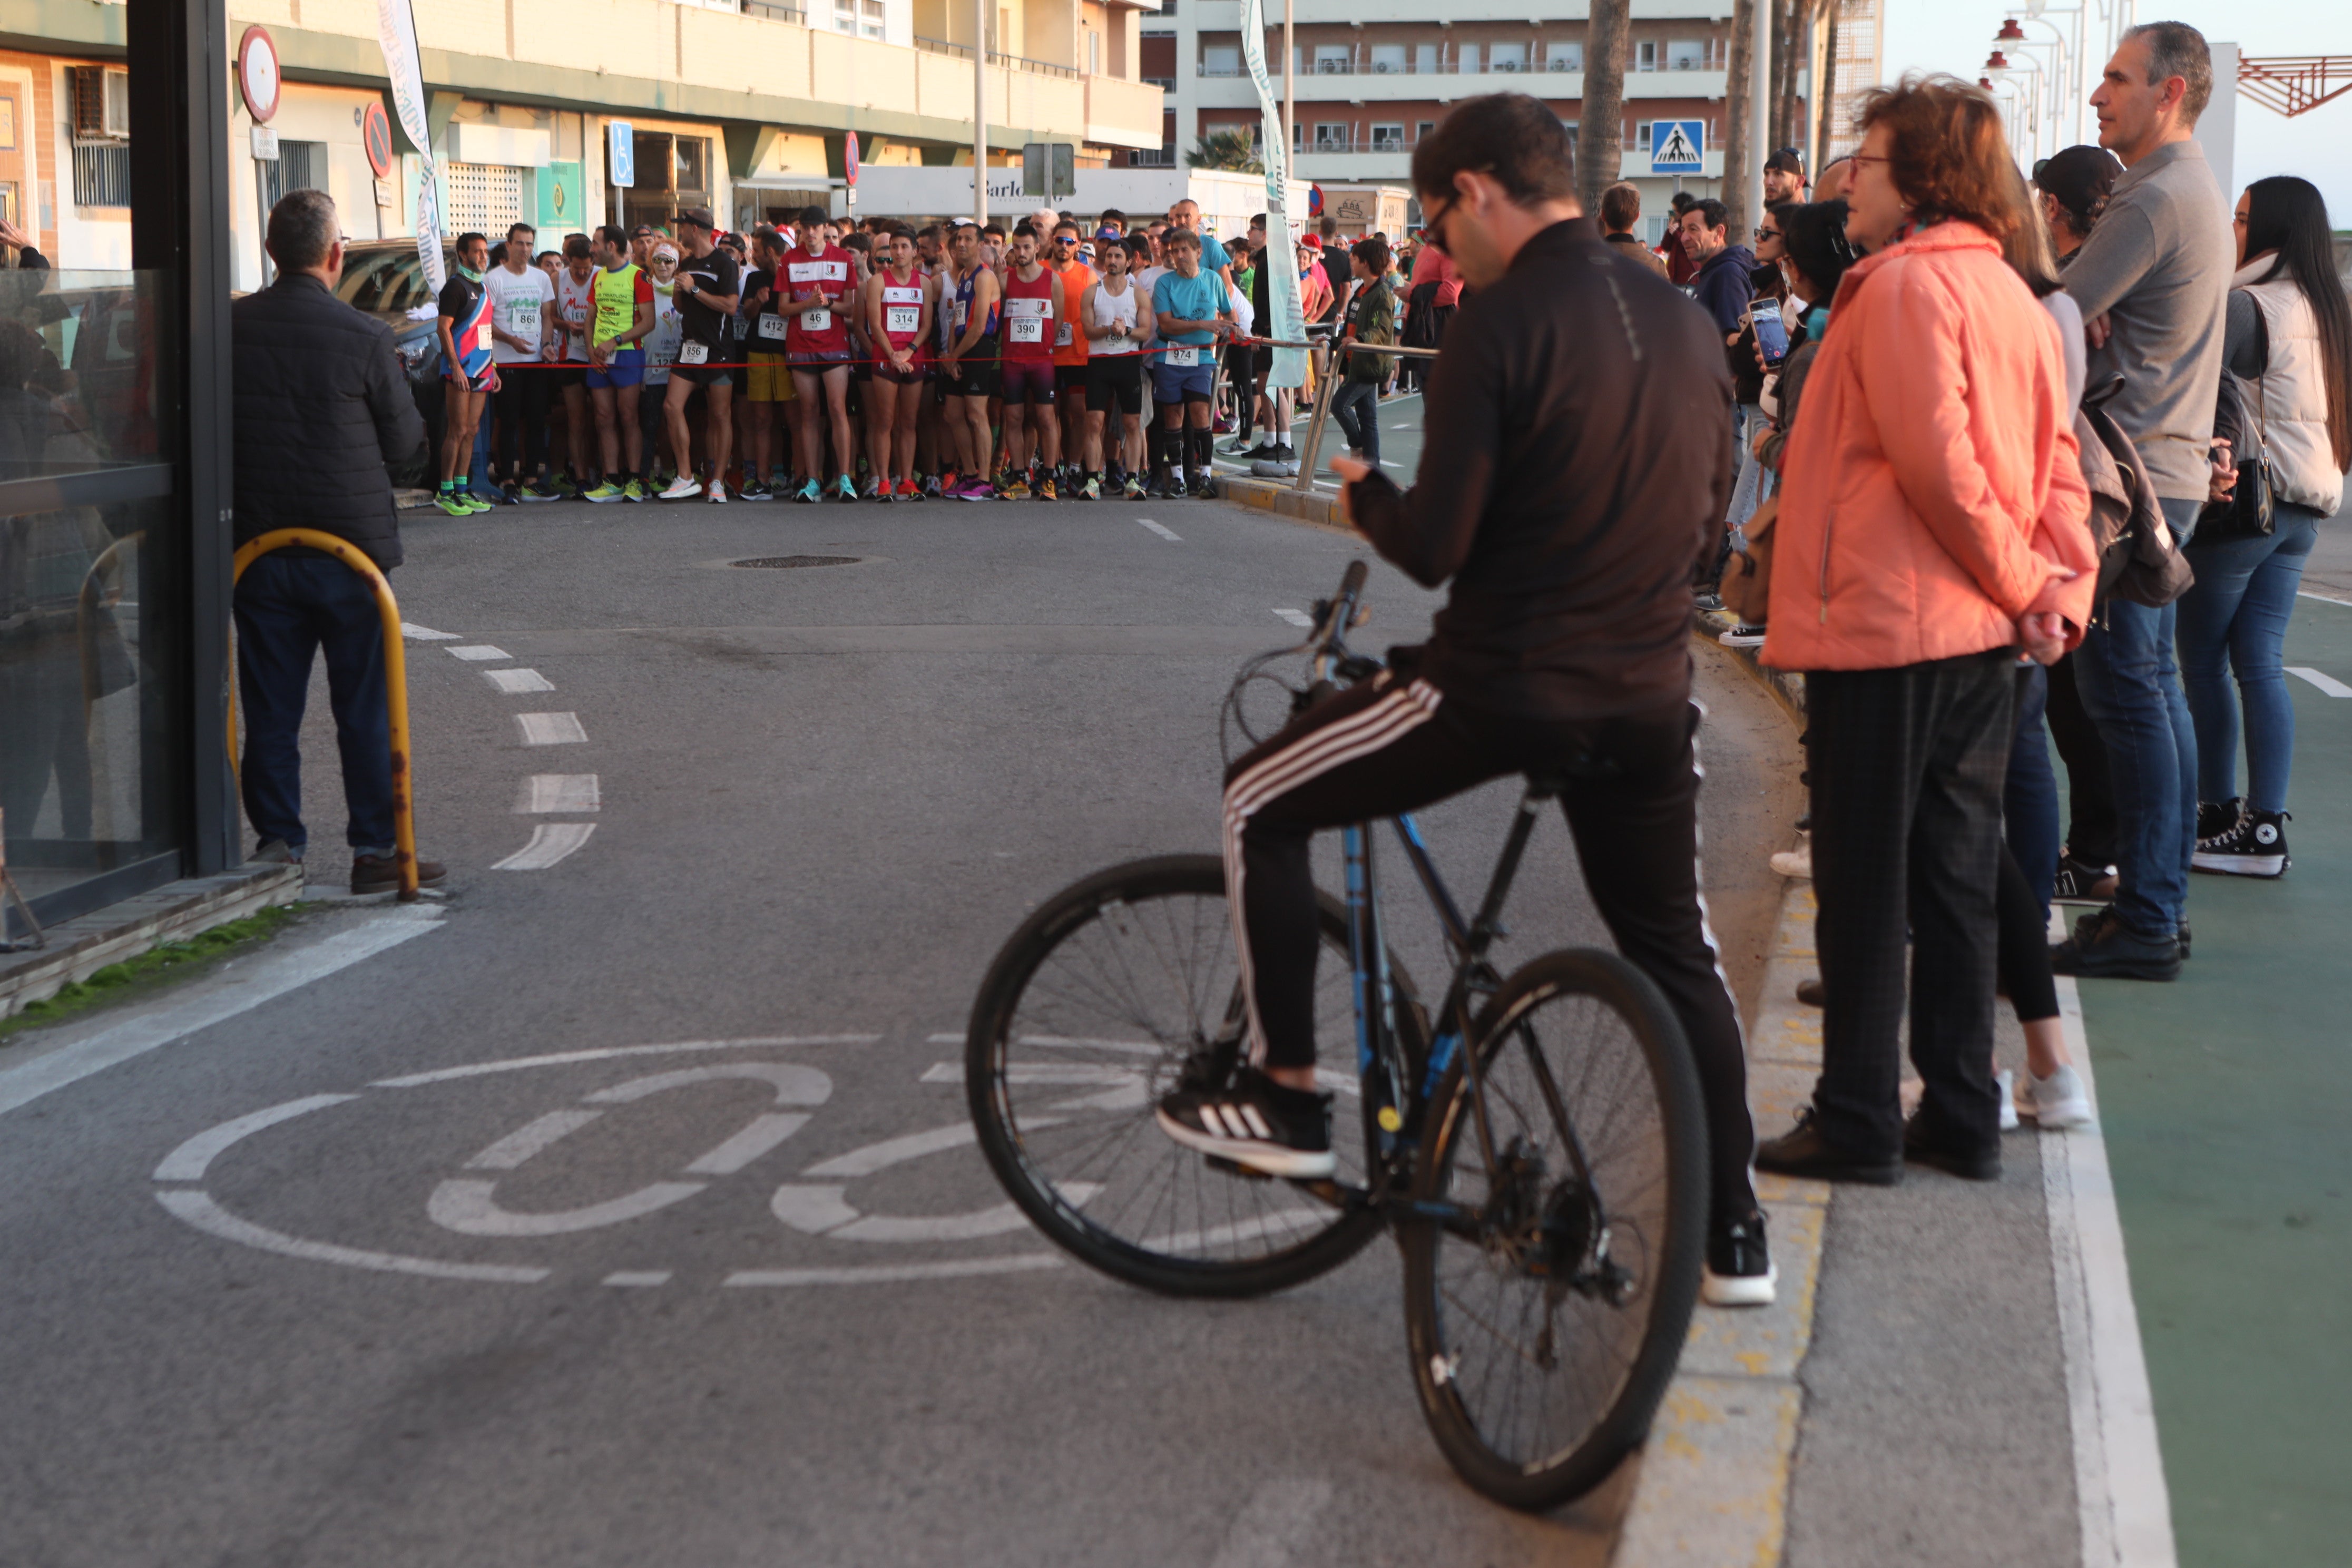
(1768, 234)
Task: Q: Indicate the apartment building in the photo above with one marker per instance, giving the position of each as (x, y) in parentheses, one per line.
(741, 106)
(1375, 76)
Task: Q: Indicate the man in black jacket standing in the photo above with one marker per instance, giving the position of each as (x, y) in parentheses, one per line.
(1575, 470)
(322, 404)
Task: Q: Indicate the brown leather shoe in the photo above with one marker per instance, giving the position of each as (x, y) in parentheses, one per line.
(381, 874)
(1803, 1152)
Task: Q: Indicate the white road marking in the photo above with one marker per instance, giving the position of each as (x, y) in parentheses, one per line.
(466, 1206)
(234, 991)
(198, 1209)
(763, 1133)
(1274, 1525)
(542, 793)
(416, 633)
(2323, 598)
(550, 843)
(895, 1273)
(1298, 618)
(1167, 534)
(520, 1144)
(609, 1052)
(515, 682)
(1038, 1072)
(189, 1162)
(551, 728)
(476, 653)
(796, 1083)
(2126, 1509)
(2328, 683)
(638, 1277)
(894, 1151)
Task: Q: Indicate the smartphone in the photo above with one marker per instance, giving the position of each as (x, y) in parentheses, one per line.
(1772, 336)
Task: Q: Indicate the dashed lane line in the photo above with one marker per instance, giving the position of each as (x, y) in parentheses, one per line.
(550, 843)
(515, 682)
(551, 728)
(1298, 618)
(544, 793)
(477, 653)
(416, 633)
(1163, 531)
(2327, 683)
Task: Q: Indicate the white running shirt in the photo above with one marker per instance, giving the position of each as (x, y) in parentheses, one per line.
(1119, 311)
(515, 301)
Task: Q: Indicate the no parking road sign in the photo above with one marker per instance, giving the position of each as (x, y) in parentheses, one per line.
(1679, 147)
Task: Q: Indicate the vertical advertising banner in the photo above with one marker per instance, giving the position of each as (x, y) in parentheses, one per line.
(1282, 281)
(395, 29)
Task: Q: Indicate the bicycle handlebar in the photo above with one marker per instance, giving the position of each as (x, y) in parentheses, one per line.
(1338, 615)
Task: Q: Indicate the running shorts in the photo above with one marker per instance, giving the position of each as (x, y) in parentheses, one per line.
(626, 368)
(1182, 383)
(981, 377)
(1070, 380)
(1115, 378)
(915, 374)
(772, 380)
(570, 372)
(1029, 381)
(818, 360)
(703, 374)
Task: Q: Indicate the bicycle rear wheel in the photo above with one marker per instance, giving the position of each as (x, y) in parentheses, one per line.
(1546, 1319)
(1103, 1000)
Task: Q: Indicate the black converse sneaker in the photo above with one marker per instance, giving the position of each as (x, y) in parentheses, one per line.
(1256, 1123)
(2215, 823)
(2256, 846)
(1739, 1272)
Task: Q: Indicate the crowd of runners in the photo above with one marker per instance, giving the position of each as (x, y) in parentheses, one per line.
(950, 360)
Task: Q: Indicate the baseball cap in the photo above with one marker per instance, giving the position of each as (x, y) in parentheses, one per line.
(1788, 160)
(2079, 178)
(698, 217)
(1107, 231)
(643, 231)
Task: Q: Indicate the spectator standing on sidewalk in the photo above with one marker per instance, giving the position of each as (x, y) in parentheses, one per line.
(1371, 318)
(2289, 338)
(2072, 187)
(1620, 209)
(2152, 282)
(1932, 521)
(1723, 285)
(322, 406)
(1784, 176)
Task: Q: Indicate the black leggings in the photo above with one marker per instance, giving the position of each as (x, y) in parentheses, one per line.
(1388, 746)
(2090, 798)
(520, 403)
(2022, 956)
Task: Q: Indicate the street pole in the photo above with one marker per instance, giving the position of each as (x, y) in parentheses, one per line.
(980, 112)
(1289, 100)
(1759, 101)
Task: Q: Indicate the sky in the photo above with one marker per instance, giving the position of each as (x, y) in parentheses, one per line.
(1955, 35)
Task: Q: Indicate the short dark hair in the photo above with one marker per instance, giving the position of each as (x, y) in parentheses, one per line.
(1373, 253)
(1328, 226)
(302, 228)
(1508, 135)
(1621, 207)
(1712, 213)
(2176, 48)
(858, 240)
(813, 214)
(1025, 229)
(1067, 224)
(1137, 248)
(1812, 235)
(576, 247)
(1682, 201)
(613, 234)
(931, 231)
(1182, 236)
(548, 255)
(470, 238)
(2079, 179)
(516, 228)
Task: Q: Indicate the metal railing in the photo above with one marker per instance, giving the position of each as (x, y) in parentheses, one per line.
(1010, 62)
(775, 10)
(1151, 158)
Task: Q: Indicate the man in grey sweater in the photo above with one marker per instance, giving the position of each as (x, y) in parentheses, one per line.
(2153, 282)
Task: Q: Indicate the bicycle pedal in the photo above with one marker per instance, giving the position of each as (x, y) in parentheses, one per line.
(1234, 1168)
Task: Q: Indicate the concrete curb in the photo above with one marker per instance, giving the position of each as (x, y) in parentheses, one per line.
(1316, 509)
(79, 948)
(1787, 689)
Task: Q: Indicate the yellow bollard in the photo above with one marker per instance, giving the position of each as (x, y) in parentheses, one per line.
(396, 678)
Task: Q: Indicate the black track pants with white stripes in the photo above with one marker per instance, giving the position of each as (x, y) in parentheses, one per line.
(1379, 749)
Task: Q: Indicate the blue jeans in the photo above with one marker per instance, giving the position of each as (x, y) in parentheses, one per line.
(2030, 795)
(2131, 688)
(289, 608)
(1357, 406)
(2233, 622)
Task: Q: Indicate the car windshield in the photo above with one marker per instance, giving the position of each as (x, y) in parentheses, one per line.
(391, 280)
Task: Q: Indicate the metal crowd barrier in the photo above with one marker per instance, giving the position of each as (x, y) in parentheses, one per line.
(1326, 352)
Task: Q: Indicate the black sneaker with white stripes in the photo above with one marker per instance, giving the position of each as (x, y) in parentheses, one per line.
(1739, 1267)
(1256, 1124)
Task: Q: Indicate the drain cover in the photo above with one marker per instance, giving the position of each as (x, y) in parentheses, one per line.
(786, 562)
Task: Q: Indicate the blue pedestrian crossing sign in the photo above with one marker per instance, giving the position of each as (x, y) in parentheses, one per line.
(1678, 146)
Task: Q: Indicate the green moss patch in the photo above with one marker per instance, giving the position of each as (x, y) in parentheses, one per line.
(166, 963)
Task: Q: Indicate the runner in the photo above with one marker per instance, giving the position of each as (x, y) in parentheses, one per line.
(467, 373)
(771, 378)
(968, 364)
(862, 355)
(661, 353)
(1032, 309)
(623, 297)
(1194, 310)
(708, 288)
(818, 279)
(1113, 316)
(1069, 262)
(575, 302)
(523, 331)
(898, 305)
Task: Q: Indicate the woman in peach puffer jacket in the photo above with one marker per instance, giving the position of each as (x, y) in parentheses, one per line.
(1932, 525)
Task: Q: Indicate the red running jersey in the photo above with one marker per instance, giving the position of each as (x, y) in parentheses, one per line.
(1029, 315)
(825, 331)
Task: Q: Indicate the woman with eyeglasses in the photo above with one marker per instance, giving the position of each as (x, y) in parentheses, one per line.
(2288, 337)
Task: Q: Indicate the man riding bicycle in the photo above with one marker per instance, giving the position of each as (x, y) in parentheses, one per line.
(1580, 425)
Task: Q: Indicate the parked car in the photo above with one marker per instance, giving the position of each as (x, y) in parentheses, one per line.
(386, 278)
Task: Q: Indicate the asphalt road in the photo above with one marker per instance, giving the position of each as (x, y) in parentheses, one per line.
(824, 796)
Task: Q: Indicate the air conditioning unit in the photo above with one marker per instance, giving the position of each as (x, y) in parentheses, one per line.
(102, 103)
(1384, 67)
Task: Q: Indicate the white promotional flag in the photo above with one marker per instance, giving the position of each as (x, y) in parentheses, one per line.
(1281, 252)
(395, 29)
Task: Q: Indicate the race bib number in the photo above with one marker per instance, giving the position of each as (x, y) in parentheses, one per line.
(522, 319)
(576, 314)
(693, 354)
(963, 314)
(1062, 334)
(901, 318)
(1184, 354)
(817, 321)
(1028, 330)
(771, 326)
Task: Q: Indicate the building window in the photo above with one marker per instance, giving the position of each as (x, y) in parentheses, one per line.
(1388, 138)
(1332, 60)
(1389, 60)
(484, 198)
(1686, 55)
(1221, 59)
(1423, 128)
(1508, 58)
(1642, 137)
(1564, 56)
(1332, 138)
(302, 166)
(1465, 59)
(859, 18)
(1425, 60)
(1646, 54)
(101, 173)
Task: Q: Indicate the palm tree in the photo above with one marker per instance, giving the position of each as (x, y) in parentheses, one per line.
(1228, 150)
(1600, 136)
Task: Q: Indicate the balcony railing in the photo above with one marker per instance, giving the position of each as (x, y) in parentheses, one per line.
(776, 11)
(1010, 62)
(1151, 158)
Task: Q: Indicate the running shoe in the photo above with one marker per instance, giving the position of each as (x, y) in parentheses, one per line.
(756, 490)
(566, 486)
(1048, 490)
(1743, 636)
(847, 489)
(807, 494)
(976, 490)
(1257, 1124)
(634, 490)
(606, 492)
(1739, 1272)
(539, 493)
(1176, 490)
(1013, 488)
(2004, 1084)
(682, 488)
(931, 487)
(1205, 487)
(2256, 846)
(1133, 489)
(509, 494)
(717, 490)
(475, 501)
(453, 504)
(1092, 490)
(883, 493)
(907, 490)
(2058, 1101)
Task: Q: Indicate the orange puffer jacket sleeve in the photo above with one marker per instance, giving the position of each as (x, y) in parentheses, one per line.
(1932, 483)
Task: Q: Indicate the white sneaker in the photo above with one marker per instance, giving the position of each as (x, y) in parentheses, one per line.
(681, 489)
(717, 490)
(1797, 862)
(2058, 1101)
(2006, 1082)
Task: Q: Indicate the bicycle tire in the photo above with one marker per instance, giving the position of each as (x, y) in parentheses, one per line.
(1270, 1235)
(1549, 1470)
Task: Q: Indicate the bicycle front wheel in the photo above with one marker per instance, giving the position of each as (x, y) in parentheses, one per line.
(1547, 1311)
(1115, 991)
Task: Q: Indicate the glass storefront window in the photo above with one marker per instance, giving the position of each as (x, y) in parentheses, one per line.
(92, 740)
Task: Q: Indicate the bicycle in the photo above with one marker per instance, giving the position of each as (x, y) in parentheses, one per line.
(1549, 1200)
